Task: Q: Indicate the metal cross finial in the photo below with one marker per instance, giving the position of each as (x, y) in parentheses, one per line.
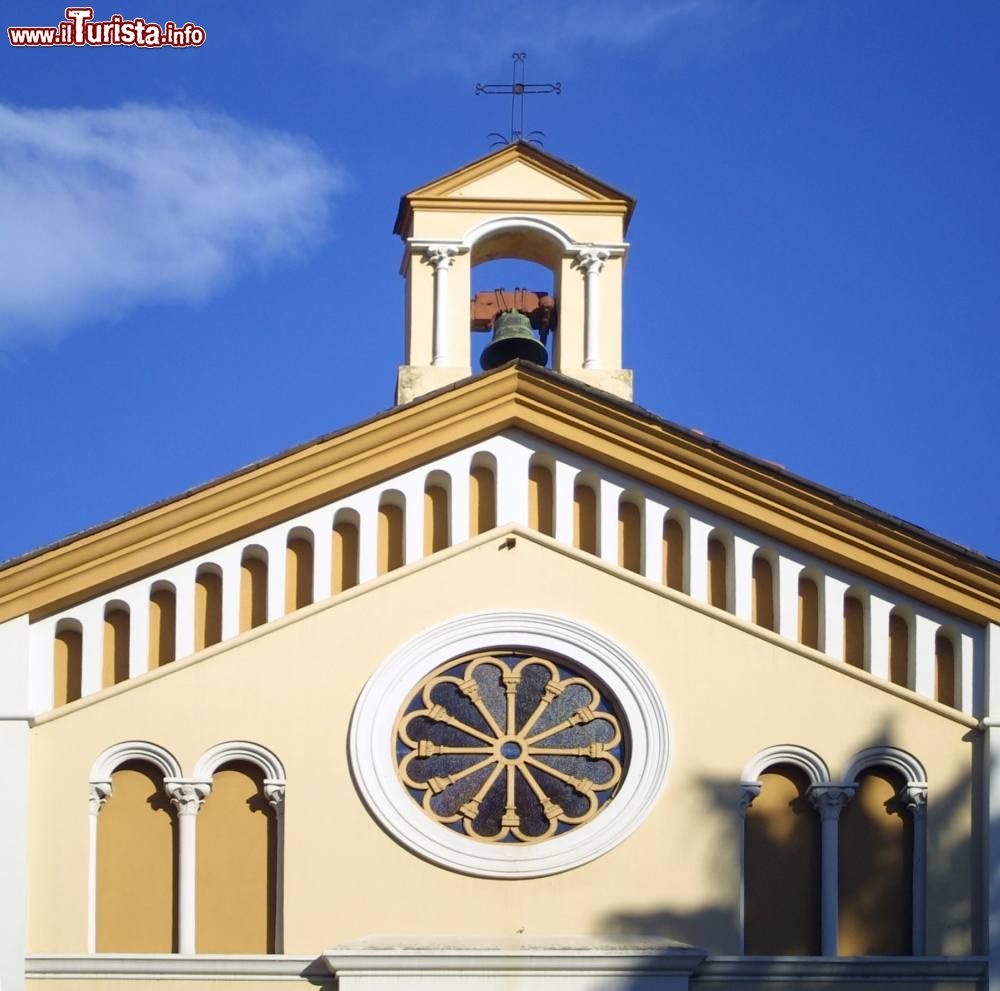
(518, 89)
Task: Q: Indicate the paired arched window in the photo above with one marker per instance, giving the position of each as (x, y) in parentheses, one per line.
(629, 536)
(673, 554)
(162, 625)
(875, 852)
(585, 520)
(437, 525)
(482, 494)
(762, 592)
(391, 526)
(345, 551)
(67, 662)
(718, 579)
(137, 905)
(207, 607)
(253, 588)
(541, 496)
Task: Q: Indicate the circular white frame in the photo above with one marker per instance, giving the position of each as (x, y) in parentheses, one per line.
(373, 756)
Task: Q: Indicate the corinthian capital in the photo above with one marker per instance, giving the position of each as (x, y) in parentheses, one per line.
(187, 796)
(274, 792)
(441, 256)
(100, 792)
(830, 799)
(915, 799)
(749, 790)
(592, 260)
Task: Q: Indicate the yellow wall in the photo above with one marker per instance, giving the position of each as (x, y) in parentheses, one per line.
(730, 690)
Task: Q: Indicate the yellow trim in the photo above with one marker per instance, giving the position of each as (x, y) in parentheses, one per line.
(549, 407)
(501, 536)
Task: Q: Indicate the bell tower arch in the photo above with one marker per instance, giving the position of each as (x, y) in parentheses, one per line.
(517, 203)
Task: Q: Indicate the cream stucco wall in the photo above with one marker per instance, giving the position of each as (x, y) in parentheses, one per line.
(291, 686)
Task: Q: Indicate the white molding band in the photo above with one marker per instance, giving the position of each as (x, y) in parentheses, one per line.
(372, 752)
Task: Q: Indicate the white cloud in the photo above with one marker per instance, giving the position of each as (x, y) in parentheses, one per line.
(106, 209)
(441, 36)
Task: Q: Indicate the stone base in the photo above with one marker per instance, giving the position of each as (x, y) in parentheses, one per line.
(414, 381)
(617, 381)
(536, 964)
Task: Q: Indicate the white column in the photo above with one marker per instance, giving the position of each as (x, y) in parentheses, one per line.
(187, 797)
(274, 792)
(789, 572)
(591, 260)
(91, 616)
(564, 480)
(184, 615)
(513, 461)
(608, 495)
(924, 635)
(749, 790)
(915, 797)
(100, 792)
(441, 257)
(458, 508)
(15, 639)
(412, 488)
(322, 529)
(138, 631)
(228, 560)
(829, 801)
(877, 621)
(991, 771)
(831, 607)
(653, 514)
(964, 668)
(696, 559)
(275, 543)
(366, 505)
(740, 578)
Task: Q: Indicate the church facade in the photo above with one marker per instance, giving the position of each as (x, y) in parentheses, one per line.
(515, 685)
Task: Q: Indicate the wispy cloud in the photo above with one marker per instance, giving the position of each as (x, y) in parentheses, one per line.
(106, 209)
(442, 36)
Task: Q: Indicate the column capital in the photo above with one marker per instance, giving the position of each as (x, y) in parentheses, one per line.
(830, 800)
(186, 795)
(591, 260)
(100, 792)
(441, 256)
(914, 797)
(274, 792)
(749, 790)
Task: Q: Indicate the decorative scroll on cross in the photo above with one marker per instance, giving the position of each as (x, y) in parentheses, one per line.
(518, 89)
(509, 748)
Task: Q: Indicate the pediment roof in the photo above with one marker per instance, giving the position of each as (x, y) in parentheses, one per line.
(618, 434)
(540, 178)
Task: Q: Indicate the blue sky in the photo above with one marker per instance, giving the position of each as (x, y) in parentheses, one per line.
(197, 265)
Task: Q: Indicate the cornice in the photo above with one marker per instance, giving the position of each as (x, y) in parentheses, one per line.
(617, 434)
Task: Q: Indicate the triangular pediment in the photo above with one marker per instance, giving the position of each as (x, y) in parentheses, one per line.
(613, 434)
(518, 174)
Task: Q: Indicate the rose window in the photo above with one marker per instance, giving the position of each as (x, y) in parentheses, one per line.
(507, 747)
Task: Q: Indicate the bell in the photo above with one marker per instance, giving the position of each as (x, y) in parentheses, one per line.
(513, 337)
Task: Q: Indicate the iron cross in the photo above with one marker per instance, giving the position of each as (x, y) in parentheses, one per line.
(518, 89)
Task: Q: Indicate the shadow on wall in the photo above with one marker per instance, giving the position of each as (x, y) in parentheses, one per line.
(954, 886)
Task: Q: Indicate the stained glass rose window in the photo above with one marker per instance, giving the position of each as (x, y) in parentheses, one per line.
(510, 747)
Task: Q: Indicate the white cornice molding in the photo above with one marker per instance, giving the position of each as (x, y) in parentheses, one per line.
(372, 728)
(143, 750)
(240, 750)
(787, 753)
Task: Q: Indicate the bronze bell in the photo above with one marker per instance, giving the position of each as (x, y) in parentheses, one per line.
(513, 337)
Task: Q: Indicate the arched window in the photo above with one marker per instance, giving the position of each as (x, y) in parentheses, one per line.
(782, 872)
(390, 534)
(482, 495)
(808, 612)
(253, 589)
(298, 570)
(629, 536)
(162, 625)
(136, 864)
(762, 589)
(944, 669)
(876, 867)
(585, 518)
(436, 522)
(854, 631)
(67, 663)
(344, 558)
(207, 607)
(237, 858)
(540, 499)
(673, 554)
(116, 643)
(899, 649)
(717, 578)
